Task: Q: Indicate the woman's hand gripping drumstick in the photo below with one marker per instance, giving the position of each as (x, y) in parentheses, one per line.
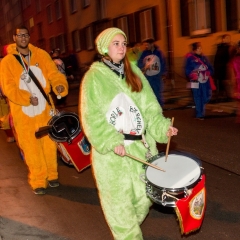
(171, 132)
(120, 150)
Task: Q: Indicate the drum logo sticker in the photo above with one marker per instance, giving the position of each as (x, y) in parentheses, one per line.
(65, 156)
(197, 204)
(84, 145)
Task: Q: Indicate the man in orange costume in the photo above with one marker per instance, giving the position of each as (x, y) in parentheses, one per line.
(29, 108)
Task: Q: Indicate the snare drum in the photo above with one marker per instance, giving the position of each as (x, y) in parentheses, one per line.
(65, 126)
(77, 153)
(182, 172)
(72, 145)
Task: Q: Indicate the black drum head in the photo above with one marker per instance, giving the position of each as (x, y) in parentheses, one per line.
(65, 127)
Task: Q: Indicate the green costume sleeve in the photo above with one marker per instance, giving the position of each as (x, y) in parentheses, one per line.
(102, 136)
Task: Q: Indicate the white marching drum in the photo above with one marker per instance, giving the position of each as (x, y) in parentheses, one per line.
(182, 172)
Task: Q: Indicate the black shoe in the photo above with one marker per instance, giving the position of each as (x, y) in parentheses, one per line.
(53, 183)
(39, 191)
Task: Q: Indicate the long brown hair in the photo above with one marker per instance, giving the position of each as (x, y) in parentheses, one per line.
(131, 78)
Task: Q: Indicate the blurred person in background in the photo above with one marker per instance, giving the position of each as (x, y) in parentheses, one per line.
(4, 118)
(134, 52)
(55, 54)
(222, 57)
(153, 65)
(198, 69)
(5, 110)
(235, 63)
(65, 69)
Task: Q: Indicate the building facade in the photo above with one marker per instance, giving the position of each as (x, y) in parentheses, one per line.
(72, 25)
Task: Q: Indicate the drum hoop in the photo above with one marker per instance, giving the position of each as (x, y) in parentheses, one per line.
(161, 154)
(57, 117)
(176, 189)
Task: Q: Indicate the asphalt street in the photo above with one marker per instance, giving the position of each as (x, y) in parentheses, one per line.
(73, 212)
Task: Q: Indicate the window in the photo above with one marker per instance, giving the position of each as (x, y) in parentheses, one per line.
(26, 3)
(102, 9)
(31, 22)
(2, 23)
(27, 24)
(85, 3)
(16, 9)
(10, 34)
(76, 40)
(40, 32)
(233, 14)
(49, 14)
(52, 43)
(196, 17)
(146, 23)
(38, 6)
(58, 9)
(8, 16)
(122, 23)
(61, 43)
(141, 25)
(89, 38)
(199, 17)
(73, 6)
(99, 26)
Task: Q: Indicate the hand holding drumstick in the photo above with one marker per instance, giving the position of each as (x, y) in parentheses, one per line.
(171, 132)
(120, 150)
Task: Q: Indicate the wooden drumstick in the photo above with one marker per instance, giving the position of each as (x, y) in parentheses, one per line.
(144, 162)
(168, 144)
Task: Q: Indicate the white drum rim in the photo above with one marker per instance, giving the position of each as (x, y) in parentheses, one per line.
(175, 189)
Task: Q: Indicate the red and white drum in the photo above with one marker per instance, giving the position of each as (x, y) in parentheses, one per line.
(71, 142)
(182, 172)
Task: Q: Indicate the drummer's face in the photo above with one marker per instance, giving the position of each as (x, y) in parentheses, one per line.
(117, 48)
(21, 38)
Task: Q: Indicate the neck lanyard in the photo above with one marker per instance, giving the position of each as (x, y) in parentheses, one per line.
(26, 66)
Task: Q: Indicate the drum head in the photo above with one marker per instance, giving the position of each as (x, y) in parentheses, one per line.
(65, 127)
(180, 172)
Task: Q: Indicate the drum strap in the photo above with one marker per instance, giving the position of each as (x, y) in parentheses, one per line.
(148, 153)
(143, 140)
(35, 80)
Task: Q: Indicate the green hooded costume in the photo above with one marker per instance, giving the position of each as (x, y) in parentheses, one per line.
(106, 102)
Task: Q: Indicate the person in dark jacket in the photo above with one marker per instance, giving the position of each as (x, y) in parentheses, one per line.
(153, 65)
(221, 61)
(198, 70)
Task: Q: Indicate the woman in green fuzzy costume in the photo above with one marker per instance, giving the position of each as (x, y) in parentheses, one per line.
(117, 107)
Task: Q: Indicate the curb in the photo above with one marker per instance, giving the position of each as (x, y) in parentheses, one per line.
(182, 101)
